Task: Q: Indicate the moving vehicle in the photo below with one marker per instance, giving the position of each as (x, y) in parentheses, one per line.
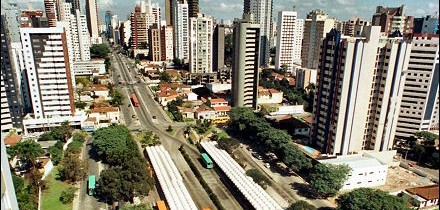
(161, 205)
(91, 185)
(207, 161)
(134, 99)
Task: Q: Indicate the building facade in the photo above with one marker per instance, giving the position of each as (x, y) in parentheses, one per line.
(419, 108)
(349, 26)
(358, 92)
(316, 26)
(289, 37)
(75, 5)
(9, 199)
(167, 43)
(92, 21)
(305, 77)
(200, 46)
(428, 24)
(218, 48)
(262, 14)
(48, 72)
(155, 51)
(246, 42)
(181, 31)
(391, 19)
(50, 7)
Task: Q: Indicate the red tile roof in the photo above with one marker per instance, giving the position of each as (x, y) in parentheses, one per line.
(91, 119)
(218, 100)
(308, 120)
(430, 192)
(222, 108)
(104, 109)
(12, 139)
(167, 93)
(99, 87)
(204, 108)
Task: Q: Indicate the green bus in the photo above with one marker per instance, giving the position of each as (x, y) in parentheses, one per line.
(207, 161)
(91, 185)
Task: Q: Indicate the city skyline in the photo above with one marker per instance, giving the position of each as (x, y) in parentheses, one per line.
(231, 9)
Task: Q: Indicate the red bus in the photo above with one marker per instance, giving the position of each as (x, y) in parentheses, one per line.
(134, 99)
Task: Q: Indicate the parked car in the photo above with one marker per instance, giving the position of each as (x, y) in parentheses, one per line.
(267, 165)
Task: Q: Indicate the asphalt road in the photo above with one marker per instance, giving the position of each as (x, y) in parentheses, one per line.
(144, 113)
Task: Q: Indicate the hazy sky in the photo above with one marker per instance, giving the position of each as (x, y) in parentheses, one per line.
(230, 9)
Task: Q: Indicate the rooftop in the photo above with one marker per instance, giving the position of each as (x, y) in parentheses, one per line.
(12, 139)
(354, 161)
(167, 93)
(218, 100)
(46, 144)
(427, 192)
(99, 87)
(222, 108)
(104, 109)
(204, 108)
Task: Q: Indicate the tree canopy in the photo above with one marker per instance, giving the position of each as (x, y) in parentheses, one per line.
(247, 123)
(28, 151)
(71, 168)
(327, 179)
(100, 50)
(148, 138)
(301, 205)
(114, 144)
(258, 177)
(370, 199)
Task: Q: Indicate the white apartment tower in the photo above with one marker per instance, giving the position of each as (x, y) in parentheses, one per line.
(358, 91)
(48, 72)
(92, 21)
(419, 108)
(167, 43)
(289, 39)
(246, 42)
(200, 47)
(262, 13)
(316, 26)
(181, 31)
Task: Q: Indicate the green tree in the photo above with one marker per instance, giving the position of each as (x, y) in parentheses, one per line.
(258, 177)
(117, 98)
(428, 137)
(107, 63)
(148, 138)
(301, 205)
(294, 158)
(208, 103)
(228, 144)
(100, 50)
(66, 130)
(370, 199)
(143, 206)
(28, 151)
(67, 195)
(419, 151)
(177, 62)
(71, 168)
(164, 77)
(169, 129)
(55, 154)
(327, 179)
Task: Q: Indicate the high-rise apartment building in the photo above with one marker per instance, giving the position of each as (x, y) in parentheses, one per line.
(200, 46)
(75, 5)
(391, 19)
(316, 26)
(169, 10)
(144, 16)
(166, 38)
(108, 23)
(246, 43)
(47, 66)
(218, 48)
(428, 24)
(11, 102)
(304, 78)
(92, 21)
(125, 32)
(349, 27)
(193, 8)
(289, 38)
(50, 7)
(154, 43)
(262, 14)
(33, 18)
(181, 31)
(419, 107)
(358, 91)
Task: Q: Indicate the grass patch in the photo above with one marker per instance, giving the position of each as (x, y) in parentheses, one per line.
(189, 120)
(170, 115)
(222, 135)
(51, 197)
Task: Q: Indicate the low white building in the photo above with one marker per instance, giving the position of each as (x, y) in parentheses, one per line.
(218, 87)
(101, 91)
(366, 171)
(289, 109)
(89, 68)
(33, 124)
(104, 116)
(270, 96)
(191, 96)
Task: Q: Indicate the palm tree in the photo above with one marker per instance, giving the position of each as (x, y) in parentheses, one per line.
(28, 151)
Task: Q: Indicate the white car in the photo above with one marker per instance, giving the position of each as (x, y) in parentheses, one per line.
(267, 165)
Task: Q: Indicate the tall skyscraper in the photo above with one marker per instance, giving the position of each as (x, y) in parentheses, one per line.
(92, 21)
(349, 26)
(75, 5)
(218, 48)
(181, 31)
(144, 16)
(428, 24)
(193, 8)
(125, 32)
(200, 46)
(50, 7)
(246, 43)
(358, 91)
(11, 101)
(316, 26)
(154, 43)
(108, 23)
(169, 10)
(48, 72)
(419, 108)
(391, 19)
(166, 38)
(262, 12)
(289, 37)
